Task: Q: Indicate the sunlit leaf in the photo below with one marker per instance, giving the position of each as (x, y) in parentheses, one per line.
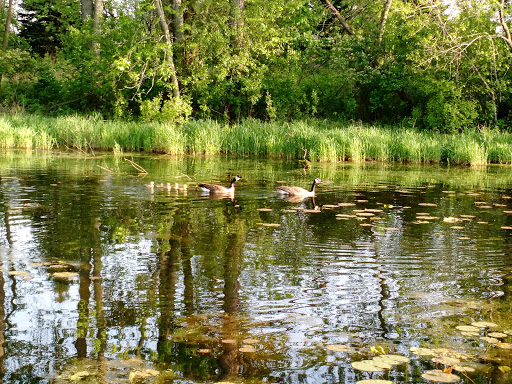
(504, 368)
(504, 345)
(228, 341)
(204, 351)
(440, 376)
(265, 209)
(374, 381)
(250, 341)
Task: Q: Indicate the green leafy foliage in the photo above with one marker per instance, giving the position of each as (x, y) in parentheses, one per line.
(436, 67)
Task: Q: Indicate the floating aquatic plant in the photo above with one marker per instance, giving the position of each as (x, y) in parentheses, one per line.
(440, 377)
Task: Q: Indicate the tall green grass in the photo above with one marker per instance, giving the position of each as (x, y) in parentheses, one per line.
(320, 140)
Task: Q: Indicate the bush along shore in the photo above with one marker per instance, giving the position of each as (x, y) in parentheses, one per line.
(318, 140)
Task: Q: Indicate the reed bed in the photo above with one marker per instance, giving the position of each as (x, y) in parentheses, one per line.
(317, 140)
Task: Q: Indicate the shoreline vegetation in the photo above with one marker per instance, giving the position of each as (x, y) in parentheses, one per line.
(320, 140)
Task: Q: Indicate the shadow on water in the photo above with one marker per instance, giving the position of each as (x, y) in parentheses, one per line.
(107, 280)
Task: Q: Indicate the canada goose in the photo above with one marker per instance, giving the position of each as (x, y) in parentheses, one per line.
(298, 191)
(215, 188)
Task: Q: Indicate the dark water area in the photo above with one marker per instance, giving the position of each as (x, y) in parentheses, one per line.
(107, 280)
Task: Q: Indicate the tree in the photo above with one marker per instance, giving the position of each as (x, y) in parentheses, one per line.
(98, 15)
(7, 25)
(87, 9)
(339, 16)
(384, 18)
(168, 41)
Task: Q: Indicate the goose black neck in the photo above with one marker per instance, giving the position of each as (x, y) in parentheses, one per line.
(313, 186)
(232, 182)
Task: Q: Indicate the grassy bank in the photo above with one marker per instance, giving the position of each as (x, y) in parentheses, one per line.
(324, 141)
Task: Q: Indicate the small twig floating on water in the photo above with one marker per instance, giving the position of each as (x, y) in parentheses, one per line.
(136, 166)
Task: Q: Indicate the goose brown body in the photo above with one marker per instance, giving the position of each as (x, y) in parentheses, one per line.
(298, 191)
(220, 189)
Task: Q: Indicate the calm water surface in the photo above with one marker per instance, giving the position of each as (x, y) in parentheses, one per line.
(171, 286)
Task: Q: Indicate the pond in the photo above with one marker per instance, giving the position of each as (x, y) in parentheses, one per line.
(108, 280)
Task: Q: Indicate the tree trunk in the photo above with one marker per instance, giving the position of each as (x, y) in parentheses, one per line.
(87, 9)
(338, 16)
(98, 14)
(237, 20)
(168, 40)
(384, 18)
(178, 20)
(504, 25)
(7, 25)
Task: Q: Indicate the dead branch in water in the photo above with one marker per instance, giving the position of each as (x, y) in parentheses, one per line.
(136, 166)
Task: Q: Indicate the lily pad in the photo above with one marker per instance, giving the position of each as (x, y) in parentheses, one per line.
(247, 349)
(440, 376)
(497, 335)
(446, 360)
(470, 334)
(422, 351)
(78, 376)
(19, 273)
(451, 219)
(367, 366)
(392, 359)
(64, 275)
(467, 328)
(484, 324)
(338, 348)
(504, 345)
(464, 368)
(490, 340)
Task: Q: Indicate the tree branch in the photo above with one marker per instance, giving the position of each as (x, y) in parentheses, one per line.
(338, 16)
